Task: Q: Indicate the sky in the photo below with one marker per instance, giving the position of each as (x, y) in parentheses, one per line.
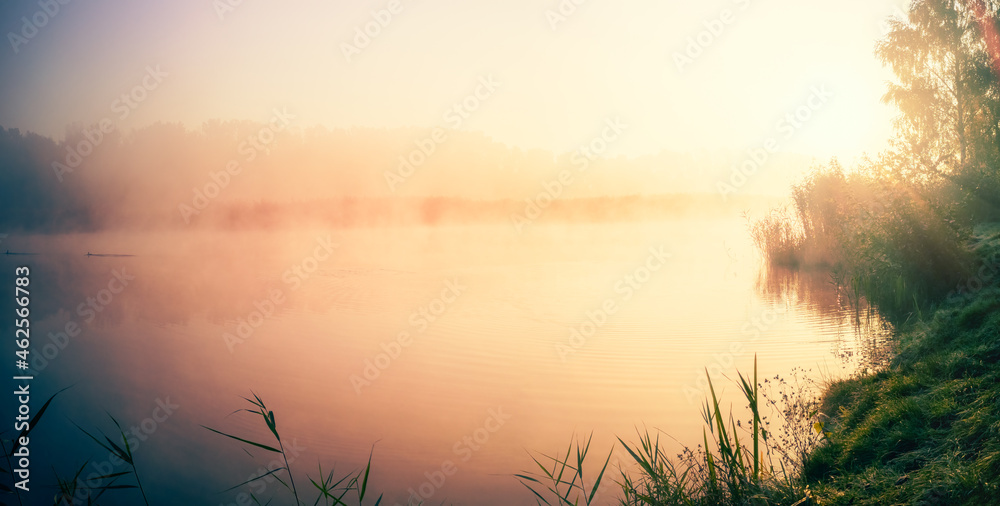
(680, 76)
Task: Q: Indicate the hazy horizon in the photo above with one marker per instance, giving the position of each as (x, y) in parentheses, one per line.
(237, 172)
(716, 75)
(141, 109)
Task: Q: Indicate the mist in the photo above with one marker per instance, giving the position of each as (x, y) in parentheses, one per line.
(242, 174)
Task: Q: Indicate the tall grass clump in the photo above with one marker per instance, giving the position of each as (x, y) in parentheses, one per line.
(564, 480)
(779, 236)
(896, 242)
(739, 464)
(124, 453)
(329, 490)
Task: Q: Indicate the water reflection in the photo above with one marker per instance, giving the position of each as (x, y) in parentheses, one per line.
(445, 327)
(818, 291)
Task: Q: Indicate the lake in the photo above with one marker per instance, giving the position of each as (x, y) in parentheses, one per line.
(449, 352)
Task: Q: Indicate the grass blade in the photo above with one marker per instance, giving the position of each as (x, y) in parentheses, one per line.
(247, 441)
(34, 421)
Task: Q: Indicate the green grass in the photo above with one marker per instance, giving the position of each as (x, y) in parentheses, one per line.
(927, 429)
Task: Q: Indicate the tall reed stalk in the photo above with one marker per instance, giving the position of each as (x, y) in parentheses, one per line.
(727, 470)
(329, 489)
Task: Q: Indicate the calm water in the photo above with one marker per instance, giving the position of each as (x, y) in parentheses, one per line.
(463, 346)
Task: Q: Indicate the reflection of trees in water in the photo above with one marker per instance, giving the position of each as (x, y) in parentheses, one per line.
(817, 291)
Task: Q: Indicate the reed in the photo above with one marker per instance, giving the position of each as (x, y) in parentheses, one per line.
(565, 479)
(778, 236)
(15, 443)
(729, 469)
(893, 244)
(329, 489)
(123, 452)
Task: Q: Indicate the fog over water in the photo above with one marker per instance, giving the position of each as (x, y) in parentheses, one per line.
(410, 339)
(448, 236)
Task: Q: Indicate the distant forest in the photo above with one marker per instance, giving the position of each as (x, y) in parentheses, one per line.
(249, 175)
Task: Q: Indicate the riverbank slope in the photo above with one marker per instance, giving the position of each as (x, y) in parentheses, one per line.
(926, 430)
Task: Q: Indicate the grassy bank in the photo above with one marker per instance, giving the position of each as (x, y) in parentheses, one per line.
(927, 429)
(908, 232)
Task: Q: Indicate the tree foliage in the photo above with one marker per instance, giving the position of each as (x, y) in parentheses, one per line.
(944, 57)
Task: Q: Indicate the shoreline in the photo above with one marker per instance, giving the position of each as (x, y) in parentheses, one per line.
(926, 429)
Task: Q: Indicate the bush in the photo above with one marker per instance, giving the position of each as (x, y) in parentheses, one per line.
(897, 243)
